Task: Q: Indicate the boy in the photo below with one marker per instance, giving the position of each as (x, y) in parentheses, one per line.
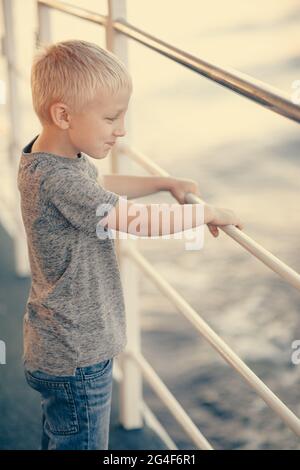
(74, 324)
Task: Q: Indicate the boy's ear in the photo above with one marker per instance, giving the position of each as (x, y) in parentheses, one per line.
(60, 115)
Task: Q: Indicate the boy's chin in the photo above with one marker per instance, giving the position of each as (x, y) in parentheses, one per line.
(98, 156)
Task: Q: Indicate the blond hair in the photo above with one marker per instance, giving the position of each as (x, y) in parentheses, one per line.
(73, 72)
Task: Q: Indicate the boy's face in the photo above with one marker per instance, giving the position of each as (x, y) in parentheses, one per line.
(97, 127)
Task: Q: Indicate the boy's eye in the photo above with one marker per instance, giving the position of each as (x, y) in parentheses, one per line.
(110, 119)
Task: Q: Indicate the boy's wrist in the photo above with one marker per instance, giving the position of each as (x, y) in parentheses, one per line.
(165, 183)
(209, 213)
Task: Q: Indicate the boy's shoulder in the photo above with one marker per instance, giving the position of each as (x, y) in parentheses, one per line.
(46, 165)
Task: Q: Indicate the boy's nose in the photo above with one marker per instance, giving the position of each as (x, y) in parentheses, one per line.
(120, 132)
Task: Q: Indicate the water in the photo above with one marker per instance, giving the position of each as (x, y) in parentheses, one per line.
(245, 158)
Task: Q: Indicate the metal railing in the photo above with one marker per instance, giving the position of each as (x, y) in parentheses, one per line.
(258, 91)
(132, 363)
(204, 329)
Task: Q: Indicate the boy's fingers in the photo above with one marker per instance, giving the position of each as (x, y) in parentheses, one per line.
(213, 230)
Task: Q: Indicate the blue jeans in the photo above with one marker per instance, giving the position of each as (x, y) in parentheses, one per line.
(75, 409)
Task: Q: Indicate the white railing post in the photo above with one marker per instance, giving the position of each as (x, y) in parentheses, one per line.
(43, 33)
(131, 386)
(14, 107)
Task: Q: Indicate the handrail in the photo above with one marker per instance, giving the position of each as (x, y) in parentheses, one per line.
(278, 266)
(253, 89)
(170, 401)
(148, 414)
(72, 10)
(216, 342)
(256, 90)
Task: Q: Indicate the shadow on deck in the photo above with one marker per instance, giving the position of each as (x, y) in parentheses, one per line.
(20, 424)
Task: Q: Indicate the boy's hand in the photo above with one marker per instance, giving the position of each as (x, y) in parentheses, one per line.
(180, 186)
(213, 230)
(222, 216)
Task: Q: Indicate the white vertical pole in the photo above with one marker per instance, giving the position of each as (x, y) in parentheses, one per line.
(131, 385)
(15, 146)
(43, 33)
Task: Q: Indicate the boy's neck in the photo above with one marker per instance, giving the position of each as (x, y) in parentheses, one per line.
(54, 141)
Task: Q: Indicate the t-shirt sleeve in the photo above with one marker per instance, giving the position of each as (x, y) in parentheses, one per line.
(81, 200)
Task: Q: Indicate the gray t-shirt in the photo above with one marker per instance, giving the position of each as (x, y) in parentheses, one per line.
(75, 313)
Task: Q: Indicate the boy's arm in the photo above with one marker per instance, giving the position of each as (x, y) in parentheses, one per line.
(163, 219)
(136, 186)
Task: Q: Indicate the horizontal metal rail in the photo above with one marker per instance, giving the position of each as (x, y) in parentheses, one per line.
(77, 12)
(282, 269)
(148, 415)
(256, 90)
(170, 401)
(216, 342)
